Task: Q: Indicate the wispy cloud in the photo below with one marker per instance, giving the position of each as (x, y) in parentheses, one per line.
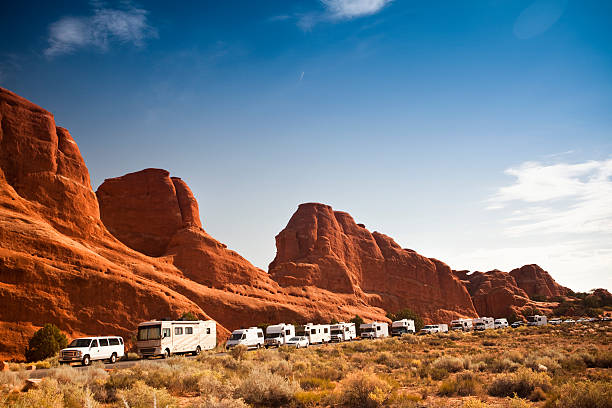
(105, 26)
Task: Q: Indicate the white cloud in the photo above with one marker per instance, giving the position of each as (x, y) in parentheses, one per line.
(99, 30)
(346, 9)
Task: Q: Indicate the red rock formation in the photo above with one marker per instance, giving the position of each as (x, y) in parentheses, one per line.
(535, 281)
(496, 294)
(327, 249)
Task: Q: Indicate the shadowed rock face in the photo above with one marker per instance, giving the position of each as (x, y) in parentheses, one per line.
(327, 249)
(535, 281)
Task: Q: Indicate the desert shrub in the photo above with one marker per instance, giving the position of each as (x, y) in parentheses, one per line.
(522, 383)
(311, 398)
(10, 380)
(51, 394)
(46, 342)
(601, 359)
(582, 395)
(500, 365)
(516, 402)
(261, 387)
(212, 402)
(473, 403)
(238, 352)
(447, 388)
(573, 363)
(363, 389)
(70, 375)
(387, 359)
(140, 395)
(448, 363)
(312, 383)
(463, 384)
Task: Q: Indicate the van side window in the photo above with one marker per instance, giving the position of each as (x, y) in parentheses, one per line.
(178, 331)
(94, 343)
(103, 342)
(208, 330)
(120, 340)
(287, 332)
(113, 342)
(166, 332)
(188, 330)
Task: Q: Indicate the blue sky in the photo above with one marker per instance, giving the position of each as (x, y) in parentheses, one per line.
(476, 132)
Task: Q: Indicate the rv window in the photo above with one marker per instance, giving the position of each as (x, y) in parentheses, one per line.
(325, 330)
(166, 332)
(313, 331)
(113, 342)
(260, 334)
(103, 342)
(149, 333)
(188, 330)
(178, 331)
(208, 330)
(94, 343)
(287, 332)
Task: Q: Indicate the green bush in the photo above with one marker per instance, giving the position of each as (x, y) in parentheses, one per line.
(45, 343)
(522, 383)
(408, 314)
(582, 395)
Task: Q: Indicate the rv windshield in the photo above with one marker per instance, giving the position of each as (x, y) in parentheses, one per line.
(531, 319)
(273, 335)
(429, 326)
(336, 331)
(80, 343)
(149, 333)
(367, 330)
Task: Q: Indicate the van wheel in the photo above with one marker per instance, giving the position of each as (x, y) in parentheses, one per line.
(113, 359)
(297, 346)
(197, 351)
(258, 346)
(86, 360)
(166, 353)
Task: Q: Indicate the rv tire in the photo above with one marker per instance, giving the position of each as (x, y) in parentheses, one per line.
(166, 353)
(197, 351)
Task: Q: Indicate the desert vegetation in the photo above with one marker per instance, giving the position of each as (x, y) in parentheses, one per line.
(545, 367)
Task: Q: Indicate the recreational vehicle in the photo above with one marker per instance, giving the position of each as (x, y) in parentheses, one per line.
(461, 324)
(374, 330)
(86, 350)
(483, 323)
(403, 326)
(278, 334)
(435, 328)
(316, 333)
(167, 337)
(252, 337)
(501, 323)
(343, 331)
(536, 320)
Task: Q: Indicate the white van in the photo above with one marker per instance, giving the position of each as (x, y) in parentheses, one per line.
(316, 333)
(501, 323)
(278, 334)
(88, 349)
(343, 331)
(435, 328)
(536, 320)
(167, 337)
(461, 324)
(403, 326)
(483, 323)
(374, 330)
(252, 337)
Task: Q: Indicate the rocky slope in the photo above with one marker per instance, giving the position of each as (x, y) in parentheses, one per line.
(535, 281)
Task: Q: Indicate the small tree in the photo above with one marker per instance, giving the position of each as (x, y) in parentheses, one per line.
(358, 322)
(334, 321)
(188, 316)
(407, 314)
(45, 343)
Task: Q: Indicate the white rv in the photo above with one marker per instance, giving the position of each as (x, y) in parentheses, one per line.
(315, 333)
(435, 328)
(536, 320)
(501, 323)
(252, 337)
(167, 337)
(403, 326)
(461, 324)
(343, 331)
(278, 334)
(374, 330)
(483, 323)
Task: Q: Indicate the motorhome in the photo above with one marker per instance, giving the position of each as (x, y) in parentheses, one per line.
(403, 326)
(500, 323)
(88, 349)
(435, 328)
(461, 324)
(278, 334)
(483, 323)
(536, 320)
(374, 330)
(252, 337)
(343, 331)
(167, 337)
(316, 333)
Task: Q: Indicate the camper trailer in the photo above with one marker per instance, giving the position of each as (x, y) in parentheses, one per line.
(435, 328)
(501, 323)
(343, 331)
(278, 334)
(316, 333)
(483, 323)
(403, 326)
(374, 330)
(536, 320)
(167, 337)
(252, 337)
(461, 324)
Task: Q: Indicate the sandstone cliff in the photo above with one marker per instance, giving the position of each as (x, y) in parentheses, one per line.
(537, 282)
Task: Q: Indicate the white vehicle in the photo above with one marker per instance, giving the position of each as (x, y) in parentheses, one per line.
(343, 331)
(536, 320)
(88, 349)
(483, 323)
(298, 342)
(374, 330)
(316, 333)
(500, 323)
(435, 328)
(582, 320)
(461, 324)
(252, 337)
(278, 334)
(555, 321)
(400, 327)
(167, 337)
(569, 321)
